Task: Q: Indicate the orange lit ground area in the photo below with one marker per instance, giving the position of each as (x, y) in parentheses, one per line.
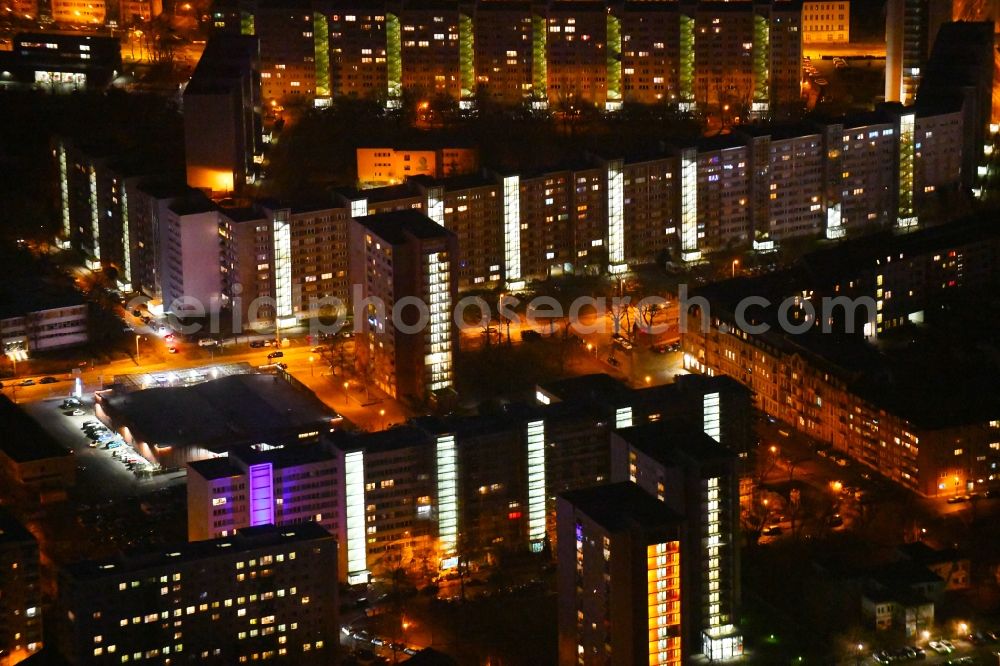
(663, 581)
(218, 181)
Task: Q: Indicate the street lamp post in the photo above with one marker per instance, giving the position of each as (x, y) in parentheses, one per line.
(137, 336)
(347, 397)
(311, 359)
(736, 262)
(381, 419)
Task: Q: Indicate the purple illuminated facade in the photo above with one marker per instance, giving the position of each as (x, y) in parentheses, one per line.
(261, 494)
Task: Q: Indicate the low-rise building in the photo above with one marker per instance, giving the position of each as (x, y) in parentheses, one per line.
(29, 456)
(826, 22)
(41, 318)
(393, 165)
(951, 565)
(174, 425)
(64, 62)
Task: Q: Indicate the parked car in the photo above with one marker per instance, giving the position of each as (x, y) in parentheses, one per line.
(28, 382)
(256, 344)
(623, 343)
(47, 380)
(530, 336)
(207, 342)
(939, 647)
(171, 350)
(275, 354)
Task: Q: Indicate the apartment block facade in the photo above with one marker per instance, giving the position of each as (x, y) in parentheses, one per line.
(841, 388)
(696, 477)
(262, 593)
(754, 188)
(555, 54)
(396, 258)
(20, 592)
(620, 586)
(826, 22)
(423, 494)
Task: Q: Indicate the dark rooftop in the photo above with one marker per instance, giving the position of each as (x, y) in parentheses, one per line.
(220, 413)
(379, 194)
(453, 183)
(225, 60)
(670, 442)
(920, 552)
(621, 506)
(214, 468)
(12, 531)
(892, 374)
(397, 437)
(193, 203)
(597, 387)
(23, 439)
(398, 226)
(247, 539)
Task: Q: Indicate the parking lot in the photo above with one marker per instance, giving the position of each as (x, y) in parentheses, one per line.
(102, 473)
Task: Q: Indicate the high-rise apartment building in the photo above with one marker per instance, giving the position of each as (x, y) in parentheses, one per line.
(388, 497)
(294, 52)
(910, 29)
(696, 477)
(786, 165)
(264, 593)
(567, 54)
(261, 485)
(222, 115)
(134, 12)
(505, 57)
(288, 49)
(620, 578)
(756, 187)
(20, 592)
(190, 271)
(404, 263)
(961, 66)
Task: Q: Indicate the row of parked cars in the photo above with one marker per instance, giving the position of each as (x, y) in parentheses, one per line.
(365, 637)
(100, 435)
